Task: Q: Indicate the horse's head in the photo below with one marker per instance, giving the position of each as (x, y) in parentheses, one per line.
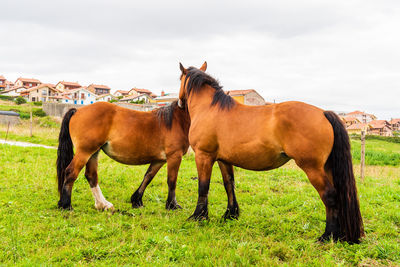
(183, 90)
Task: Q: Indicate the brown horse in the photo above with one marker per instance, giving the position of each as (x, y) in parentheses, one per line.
(127, 136)
(266, 137)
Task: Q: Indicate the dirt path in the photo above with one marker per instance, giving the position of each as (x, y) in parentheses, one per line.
(24, 144)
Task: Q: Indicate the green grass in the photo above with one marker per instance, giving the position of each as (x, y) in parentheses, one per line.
(281, 217)
(377, 152)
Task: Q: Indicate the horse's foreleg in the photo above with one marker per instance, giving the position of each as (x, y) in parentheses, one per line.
(136, 198)
(173, 164)
(232, 211)
(91, 176)
(71, 173)
(204, 163)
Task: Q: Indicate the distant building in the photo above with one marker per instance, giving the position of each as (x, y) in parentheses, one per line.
(26, 82)
(80, 96)
(63, 85)
(14, 91)
(2, 83)
(247, 97)
(105, 98)
(165, 99)
(99, 89)
(381, 127)
(138, 91)
(395, 123)
(348, 121)
(361, 116)
(43, 92)
(137, 98)
(121, 93)
(358, 127)
(9, 85)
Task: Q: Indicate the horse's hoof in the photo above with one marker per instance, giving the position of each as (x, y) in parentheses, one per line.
(64, 206)
(173, 206)
(137, 204)
(104, 206)
(201, 216)
(324, 238)
(231, 214)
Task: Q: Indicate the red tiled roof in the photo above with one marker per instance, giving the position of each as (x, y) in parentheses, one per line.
(142, 91)
(378, 123)
(28, 80)
(239, 92)
(393, 121)
(70, 83)
(346, 118)
(100, 86)
(2, 77)
(129, 97)
(122, 91)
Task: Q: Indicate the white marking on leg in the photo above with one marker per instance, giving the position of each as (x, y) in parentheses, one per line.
(100, 202)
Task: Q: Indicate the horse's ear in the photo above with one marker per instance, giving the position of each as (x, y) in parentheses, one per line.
(204, 66)
(182, 68)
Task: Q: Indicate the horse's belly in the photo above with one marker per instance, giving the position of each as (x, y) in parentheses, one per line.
(254, 157)
(133, 154)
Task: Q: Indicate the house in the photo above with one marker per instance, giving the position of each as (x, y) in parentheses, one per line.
(2, 83)
(350, 120)
(63, 85)
(395, 123)
(143, 98)
(361, 116)
(9, 85)
(99, 89)
(105, 98)
(356, 128)
(247, 97)
(26, 82)
(14, 91)
(121, 93)
(136, 91)
(165, 99)
(80, 96)
(381, 127)
(43, 92)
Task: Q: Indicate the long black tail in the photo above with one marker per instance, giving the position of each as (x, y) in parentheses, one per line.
(340, 163)
(65, 151)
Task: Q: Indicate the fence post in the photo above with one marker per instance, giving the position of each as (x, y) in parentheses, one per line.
(31, 119)
(362, 172)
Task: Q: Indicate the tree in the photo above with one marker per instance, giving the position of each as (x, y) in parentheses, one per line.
(20, 100)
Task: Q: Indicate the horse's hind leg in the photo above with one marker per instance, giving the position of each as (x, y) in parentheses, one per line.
(232, 211)
(173, 164)
(136, 198)
(91, 176)
(321, 181)
(71, 173)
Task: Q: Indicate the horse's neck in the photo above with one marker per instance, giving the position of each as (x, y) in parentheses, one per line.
(201, 100)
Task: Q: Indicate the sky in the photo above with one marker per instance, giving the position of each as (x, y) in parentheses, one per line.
(341, 55)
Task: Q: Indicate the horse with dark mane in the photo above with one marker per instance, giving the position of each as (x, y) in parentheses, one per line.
(266, 137)
(127, 136)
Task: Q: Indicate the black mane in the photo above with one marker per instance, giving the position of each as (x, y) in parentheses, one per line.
(166, 114)
(196, 78)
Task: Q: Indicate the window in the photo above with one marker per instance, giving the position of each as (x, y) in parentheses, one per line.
(81, 102)
(91, 102)
(88, 94)
(66, 100)
(82, 95)
(30, 85)
(75, 102)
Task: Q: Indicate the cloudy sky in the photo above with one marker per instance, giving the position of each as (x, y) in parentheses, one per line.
(342, 55)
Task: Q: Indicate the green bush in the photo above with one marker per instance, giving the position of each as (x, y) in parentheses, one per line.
(39, 113)
(113, 100)
(20, 100)
(141, 101)
(394, 139)
(37, 103)
(6, 97)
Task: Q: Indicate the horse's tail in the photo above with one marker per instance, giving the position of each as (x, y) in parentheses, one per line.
(65, 152)
(340, 163)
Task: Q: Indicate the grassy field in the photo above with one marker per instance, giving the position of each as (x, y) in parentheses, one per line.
(281, 217)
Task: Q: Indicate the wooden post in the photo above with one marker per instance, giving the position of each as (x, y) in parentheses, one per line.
(31, 120)
(8, 127)
(362, 171)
